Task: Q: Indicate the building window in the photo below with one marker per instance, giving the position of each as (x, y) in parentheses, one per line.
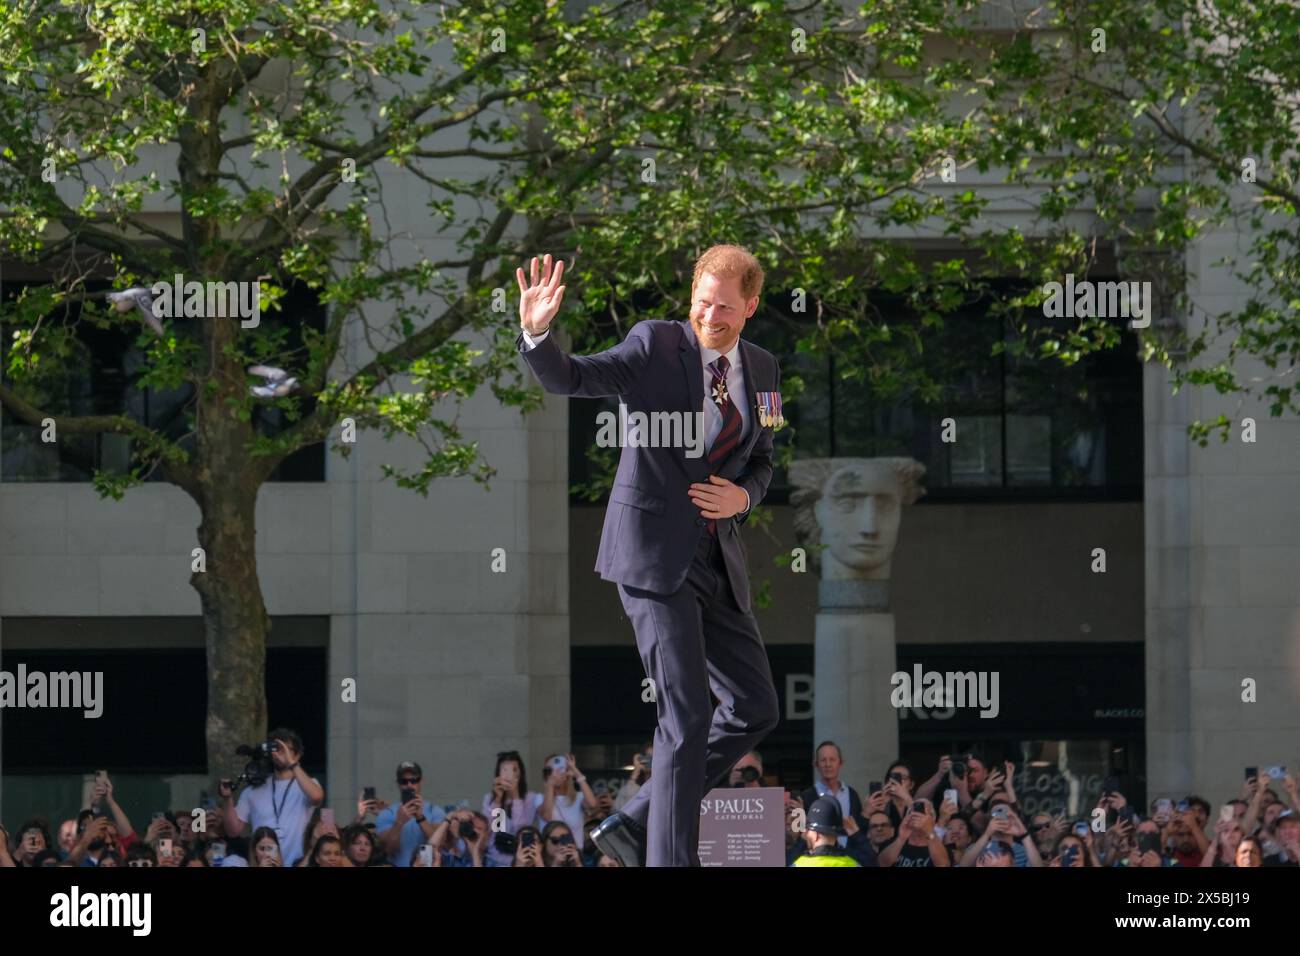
(1026, 428)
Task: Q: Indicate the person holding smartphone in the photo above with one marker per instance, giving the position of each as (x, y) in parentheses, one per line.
(528, 847)
(412, 821)
(1146, 849)
(1005, 827)
(559, 845)
(266, 847)
(512, 802)
(560, 799)
(1227, 837)
(639, 778)
(284, 802)
(917, 843)
(898, 793)
(1073, 851)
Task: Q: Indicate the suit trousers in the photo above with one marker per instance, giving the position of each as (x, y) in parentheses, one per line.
(691, 641)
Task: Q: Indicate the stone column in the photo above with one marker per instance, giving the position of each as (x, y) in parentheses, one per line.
(847, 516)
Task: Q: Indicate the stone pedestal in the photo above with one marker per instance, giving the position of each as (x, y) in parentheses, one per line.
(849, 511)
(853, 661)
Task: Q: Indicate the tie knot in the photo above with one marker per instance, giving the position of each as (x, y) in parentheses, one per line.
(720, 365)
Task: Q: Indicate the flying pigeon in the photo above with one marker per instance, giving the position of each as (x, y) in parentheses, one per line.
(278, 381)
(140, 299)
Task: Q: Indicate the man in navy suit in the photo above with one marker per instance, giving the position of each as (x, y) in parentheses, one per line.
(671, 539)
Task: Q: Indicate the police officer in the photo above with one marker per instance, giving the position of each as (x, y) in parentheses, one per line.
(825, 826)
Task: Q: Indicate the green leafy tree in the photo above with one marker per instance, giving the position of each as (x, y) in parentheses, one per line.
(624, 137)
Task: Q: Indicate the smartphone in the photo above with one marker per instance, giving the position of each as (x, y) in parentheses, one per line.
(426, 854)
(1227, 812)
(165, 848)
(1164, 806)
(1277, 773)
(1252, 772)
(949, 794)
(559, 764)
(527, 838)
(1126, 813)
(159, 814)
(368, 793)
(1081, 829)
(327, 813)
(1110, 785)
(917, 805)
(1148, 842)
(874, 787)
(407, 794)
(1001, 811)
(1183, 806)
(1068, 855)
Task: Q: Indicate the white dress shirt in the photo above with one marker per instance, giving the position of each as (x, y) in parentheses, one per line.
(712, 414)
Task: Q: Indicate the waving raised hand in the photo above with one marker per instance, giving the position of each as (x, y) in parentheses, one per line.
(539, 300)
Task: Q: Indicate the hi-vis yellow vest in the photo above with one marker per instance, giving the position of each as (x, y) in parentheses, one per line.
(826, 859)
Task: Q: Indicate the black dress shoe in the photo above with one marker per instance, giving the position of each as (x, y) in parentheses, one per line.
(621, 839)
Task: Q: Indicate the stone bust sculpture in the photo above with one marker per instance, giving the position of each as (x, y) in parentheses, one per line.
(852, 506)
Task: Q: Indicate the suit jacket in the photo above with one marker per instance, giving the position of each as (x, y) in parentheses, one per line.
(652, 528)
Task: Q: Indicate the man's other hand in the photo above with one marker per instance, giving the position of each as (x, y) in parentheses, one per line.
(719, 498)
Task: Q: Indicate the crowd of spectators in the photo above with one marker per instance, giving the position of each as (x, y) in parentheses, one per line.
(966, 813)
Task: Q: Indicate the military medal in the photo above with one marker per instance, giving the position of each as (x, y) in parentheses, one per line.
(720, 392)
(769, 410)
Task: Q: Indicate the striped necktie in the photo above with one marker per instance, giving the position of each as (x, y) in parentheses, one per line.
(729, 436)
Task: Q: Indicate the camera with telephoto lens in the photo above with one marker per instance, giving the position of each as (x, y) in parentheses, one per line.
(747, 776)
(260, 765)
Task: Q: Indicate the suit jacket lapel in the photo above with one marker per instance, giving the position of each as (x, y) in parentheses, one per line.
(693, 367)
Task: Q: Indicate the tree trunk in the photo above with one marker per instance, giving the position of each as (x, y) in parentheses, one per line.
(235, 623)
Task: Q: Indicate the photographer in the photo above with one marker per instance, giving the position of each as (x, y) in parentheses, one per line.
(284, 802)
(747, 771)
(952, 774)
(461, 839)
(401, 828)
